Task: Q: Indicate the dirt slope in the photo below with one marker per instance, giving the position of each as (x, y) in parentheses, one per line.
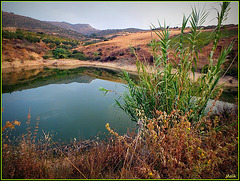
(118, 48)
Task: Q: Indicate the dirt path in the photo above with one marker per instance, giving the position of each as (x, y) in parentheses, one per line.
(119, 65)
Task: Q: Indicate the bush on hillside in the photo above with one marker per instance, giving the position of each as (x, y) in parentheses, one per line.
(60, 53)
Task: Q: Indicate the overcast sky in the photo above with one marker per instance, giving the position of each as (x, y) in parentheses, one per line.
(117, 15)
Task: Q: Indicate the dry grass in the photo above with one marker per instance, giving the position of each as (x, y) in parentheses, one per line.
(173, 149)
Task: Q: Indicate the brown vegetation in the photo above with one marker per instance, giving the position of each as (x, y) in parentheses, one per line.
(174, 149)
(116, 50)
(119, 47)
(22, 50)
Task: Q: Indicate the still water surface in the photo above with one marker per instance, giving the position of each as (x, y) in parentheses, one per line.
(68, 102)
(69, 106)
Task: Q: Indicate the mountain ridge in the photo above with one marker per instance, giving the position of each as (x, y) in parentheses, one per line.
(61, 28)
(87, 29)
(84, 29)
(19, 21)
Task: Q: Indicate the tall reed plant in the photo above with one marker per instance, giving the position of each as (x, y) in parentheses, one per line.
(163, 87)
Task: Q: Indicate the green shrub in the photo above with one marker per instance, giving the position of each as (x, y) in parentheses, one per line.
(57, 42)
(60, 53)
(164, 89)
(76, 51)
(52, 45)
(8, 35)
(65, 42)
(46, 57)
(32, 39)
(90, 42)
(64, 46)
(95, 54)
(20, 34)
(79, 56)
(47, 40)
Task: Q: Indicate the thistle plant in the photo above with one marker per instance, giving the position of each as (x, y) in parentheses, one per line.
(165, 88)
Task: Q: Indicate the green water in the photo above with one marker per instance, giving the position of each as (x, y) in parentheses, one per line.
(68, 102)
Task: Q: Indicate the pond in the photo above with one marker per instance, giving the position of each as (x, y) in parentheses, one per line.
(68, 102)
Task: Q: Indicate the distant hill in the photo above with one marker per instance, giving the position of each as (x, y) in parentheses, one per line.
(64, 29)
(116, 31)
(14, 20)
(85, 29)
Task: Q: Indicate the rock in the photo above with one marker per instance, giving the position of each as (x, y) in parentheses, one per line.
(219, 107)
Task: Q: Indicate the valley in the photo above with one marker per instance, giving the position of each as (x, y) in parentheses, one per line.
(26, 48)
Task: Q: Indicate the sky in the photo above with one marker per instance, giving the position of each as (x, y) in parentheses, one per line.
(118, 15)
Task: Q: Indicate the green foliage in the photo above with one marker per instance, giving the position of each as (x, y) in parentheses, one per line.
(60, 53)
(79, 56)
(46, 57)
(76, 51)
(21, 34)
(203, 39)
(165, 89)
(32, 39)
(65, 43)
(95, 54)
(64, 53)
(64, 46)
(93, 35)
(71, 43)
(231, 66)
(90, 42)
(57, 42)
(52, 45)
(47, 40)
(8, 35)
(60, 43)
(204, 69)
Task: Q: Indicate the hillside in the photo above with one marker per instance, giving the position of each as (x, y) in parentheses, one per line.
(84, 29)
(118, 48)
(13, 20)
(119, 31)
(102, 46)
(21, 45)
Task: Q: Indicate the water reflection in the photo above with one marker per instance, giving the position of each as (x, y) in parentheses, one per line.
(26, 79)
(68, 102)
